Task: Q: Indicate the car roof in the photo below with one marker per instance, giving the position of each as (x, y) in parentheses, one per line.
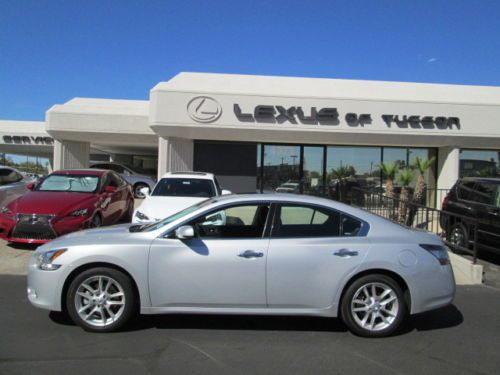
(83, 172)
(294, 198)
(189, 174)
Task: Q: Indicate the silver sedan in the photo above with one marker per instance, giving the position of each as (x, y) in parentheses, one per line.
(276, 254)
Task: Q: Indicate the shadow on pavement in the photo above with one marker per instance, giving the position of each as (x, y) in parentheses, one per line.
(443, 318)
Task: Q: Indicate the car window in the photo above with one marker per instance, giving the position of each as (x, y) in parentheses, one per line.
(465, 191)
(9, 176)
(306, 221)
(350, 226)
(496, 202)
(184, 187)
(485, 193)
(242, 221)
(113, 180)
(121, 181)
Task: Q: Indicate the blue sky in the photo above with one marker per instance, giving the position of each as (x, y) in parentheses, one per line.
(52, 51)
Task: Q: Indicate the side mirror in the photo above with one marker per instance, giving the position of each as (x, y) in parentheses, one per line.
(145, 191)
(30, 186)
(110, 189)
(226, 192)
(185, 232)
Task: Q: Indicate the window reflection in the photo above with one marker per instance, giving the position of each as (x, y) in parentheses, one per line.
(479, 163)
(350, 169)
(313, 171)
(281, 169)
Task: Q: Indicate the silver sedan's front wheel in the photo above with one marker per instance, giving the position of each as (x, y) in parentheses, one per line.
(373, 306)
(101, 299)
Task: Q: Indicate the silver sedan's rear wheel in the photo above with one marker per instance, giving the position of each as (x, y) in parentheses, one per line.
(101, 299)
(373, 306)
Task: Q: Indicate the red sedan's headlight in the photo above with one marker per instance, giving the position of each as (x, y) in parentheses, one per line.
(80, 212)
(6, 211)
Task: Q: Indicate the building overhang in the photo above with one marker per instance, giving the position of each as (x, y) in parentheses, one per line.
(300, 110)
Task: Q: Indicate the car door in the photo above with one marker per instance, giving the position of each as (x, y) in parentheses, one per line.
(223, 266)
(311, 252)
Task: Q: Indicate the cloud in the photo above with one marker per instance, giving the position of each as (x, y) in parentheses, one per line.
(432, 59)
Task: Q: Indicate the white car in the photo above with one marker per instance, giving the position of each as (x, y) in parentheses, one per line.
(174, 192)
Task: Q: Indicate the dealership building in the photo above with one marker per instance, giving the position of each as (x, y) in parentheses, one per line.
(257, 133)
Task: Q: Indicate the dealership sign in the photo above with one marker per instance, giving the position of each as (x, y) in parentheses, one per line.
(27, 140)
(205, 109)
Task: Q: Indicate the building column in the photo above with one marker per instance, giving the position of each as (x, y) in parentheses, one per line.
(448, 167)
(174, 154)
(71, 155)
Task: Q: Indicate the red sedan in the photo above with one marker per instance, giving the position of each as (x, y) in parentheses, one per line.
(66, 201)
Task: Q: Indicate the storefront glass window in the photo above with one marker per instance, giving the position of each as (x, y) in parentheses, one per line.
(281, 169)
(313, 171)
(479, 163)
(350, 169)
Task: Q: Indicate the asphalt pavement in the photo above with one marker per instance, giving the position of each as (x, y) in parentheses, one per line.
(459, 339)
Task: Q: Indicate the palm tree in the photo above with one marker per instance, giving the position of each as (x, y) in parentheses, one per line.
(389, 170)
(405, 178)
(341, 174)
(421, 165)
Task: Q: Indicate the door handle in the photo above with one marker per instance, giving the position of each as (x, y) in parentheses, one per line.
(345, 253)
(251, 254)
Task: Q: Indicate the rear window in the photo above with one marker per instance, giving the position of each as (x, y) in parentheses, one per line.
(184, 187)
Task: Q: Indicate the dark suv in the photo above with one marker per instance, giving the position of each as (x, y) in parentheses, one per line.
(470, 201)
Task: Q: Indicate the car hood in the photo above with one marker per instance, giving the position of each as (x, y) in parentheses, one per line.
(105, 235)
(45, 203)
(157, 208)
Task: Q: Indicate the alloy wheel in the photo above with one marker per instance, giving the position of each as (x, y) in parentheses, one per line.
(374, 306)
(100, 301)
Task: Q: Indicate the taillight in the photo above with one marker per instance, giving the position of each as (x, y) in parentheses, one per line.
(445, 201)
(439, 251)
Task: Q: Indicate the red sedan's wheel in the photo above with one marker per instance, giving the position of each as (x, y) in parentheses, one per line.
(96, 221)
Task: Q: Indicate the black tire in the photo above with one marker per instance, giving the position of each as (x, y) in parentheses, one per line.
(375, 309)
(137, 192)
(96, 221)
(127, 216)
(124, 311)
(458, 235)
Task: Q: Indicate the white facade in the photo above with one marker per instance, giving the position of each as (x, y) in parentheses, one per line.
(283, 110)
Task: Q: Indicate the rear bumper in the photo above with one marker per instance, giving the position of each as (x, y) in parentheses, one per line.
(433, 290)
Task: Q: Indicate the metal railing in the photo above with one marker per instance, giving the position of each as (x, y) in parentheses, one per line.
(474, 236)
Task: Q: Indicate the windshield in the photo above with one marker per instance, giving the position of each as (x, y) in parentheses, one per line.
(184, 187)
(73, 183)
(176, 216)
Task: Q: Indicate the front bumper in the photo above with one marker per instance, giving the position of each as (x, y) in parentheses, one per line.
(13, 230)
(44, 287)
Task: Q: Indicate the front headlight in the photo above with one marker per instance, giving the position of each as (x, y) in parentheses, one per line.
(80, 212)
(6, 211)
(44, 261)
(141, 216)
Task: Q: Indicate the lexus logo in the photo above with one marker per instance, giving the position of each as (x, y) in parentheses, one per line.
(204, 109)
